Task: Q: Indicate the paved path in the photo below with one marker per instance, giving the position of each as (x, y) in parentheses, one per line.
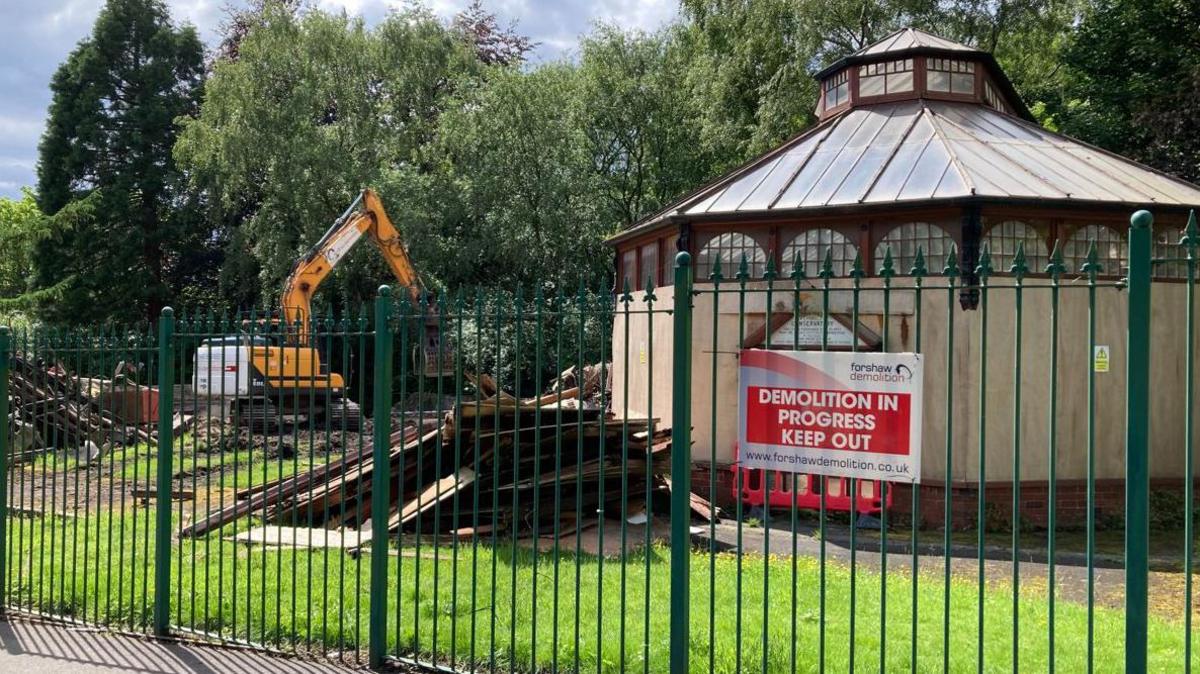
(39, 648)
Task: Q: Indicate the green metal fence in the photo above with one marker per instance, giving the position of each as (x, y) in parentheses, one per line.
(502, 535)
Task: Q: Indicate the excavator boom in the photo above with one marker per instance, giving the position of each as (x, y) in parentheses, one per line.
(364, 217)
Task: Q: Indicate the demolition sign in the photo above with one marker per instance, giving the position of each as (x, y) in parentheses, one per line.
(844, 414)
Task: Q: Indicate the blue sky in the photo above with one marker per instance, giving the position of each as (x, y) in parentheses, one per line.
(36, 35)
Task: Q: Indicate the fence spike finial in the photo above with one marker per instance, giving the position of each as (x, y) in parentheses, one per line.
(626, 295)
(984, 268)
(743, 272)
(1055, 268)
(1091, 265)
(715, 275)
(827, 264)
(919, 269)
(856, 267)
(797, 274)
(888, 268)
(951, 267)
(1019, 266)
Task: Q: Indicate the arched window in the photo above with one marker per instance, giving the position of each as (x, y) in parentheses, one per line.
(808, 249)
(1110, 248)
(1002, 239)
(729, 248)
(1172, 256)
(905, 239)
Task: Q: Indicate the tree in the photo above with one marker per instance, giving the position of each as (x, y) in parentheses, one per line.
(493, 45)
(511, 200)
(124, 229)
(239, 21)
(22, 225)
(636, 118)
(752, 61)
(1133, 83)
(316, 107)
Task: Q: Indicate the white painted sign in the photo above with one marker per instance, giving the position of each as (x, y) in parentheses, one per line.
(805, 333)
(831, 413)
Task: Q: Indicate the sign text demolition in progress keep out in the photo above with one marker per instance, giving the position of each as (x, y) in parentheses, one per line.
(846, 414)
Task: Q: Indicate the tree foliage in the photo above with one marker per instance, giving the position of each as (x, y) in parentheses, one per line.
(499, 171)
(494, 45)
(1134, 81)
(316, 107)
(125, 235)
(22, 225)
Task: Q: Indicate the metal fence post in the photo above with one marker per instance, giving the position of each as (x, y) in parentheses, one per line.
(380, 478)
(5, 346)
(681, 465)
(162, 523)
(1137, 445)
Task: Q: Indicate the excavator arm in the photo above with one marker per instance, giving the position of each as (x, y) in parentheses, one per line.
(364, 217)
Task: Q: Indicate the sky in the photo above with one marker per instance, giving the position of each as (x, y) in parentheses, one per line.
(37, 35)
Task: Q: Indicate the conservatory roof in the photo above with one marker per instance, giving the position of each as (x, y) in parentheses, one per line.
(925, 152)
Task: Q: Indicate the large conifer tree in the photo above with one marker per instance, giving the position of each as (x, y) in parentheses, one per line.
(125, 238)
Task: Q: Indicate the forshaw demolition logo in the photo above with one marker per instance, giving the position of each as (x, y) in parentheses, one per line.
(880, 373)
(845, 414)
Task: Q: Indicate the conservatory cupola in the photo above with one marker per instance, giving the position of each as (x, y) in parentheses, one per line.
(911, 64)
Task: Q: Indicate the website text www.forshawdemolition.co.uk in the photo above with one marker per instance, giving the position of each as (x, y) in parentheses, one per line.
(801, 460)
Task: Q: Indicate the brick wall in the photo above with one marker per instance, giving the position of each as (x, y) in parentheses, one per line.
(1071, 498)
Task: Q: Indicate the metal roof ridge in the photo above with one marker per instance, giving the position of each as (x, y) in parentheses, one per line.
(800, 167)
(883, 167)
(706, 190)
(890, 39)
(832, 193)
(826, 170)
(954, 161)
(988, 145)
(1066, 142)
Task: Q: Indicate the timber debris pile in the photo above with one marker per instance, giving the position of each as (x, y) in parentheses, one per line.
(50, 408)
(499, 465)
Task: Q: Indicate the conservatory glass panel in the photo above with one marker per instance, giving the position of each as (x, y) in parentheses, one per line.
(729, 248)
(808, 250)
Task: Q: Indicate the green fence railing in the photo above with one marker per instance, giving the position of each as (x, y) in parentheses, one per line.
(540, 503)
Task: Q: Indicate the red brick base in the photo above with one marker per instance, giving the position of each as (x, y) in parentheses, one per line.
(1070, 497)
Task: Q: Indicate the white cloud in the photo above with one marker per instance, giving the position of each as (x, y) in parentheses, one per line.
(18, 127)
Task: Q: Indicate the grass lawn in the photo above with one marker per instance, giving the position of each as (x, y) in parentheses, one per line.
(208, 474)
(98, 569)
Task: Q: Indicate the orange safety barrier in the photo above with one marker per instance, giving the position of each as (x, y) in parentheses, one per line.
(776, 491)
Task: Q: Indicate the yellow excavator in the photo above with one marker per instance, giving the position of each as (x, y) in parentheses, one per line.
(265, 376)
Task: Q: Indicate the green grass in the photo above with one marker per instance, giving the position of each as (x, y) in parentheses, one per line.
(216, 470)
(319, 599)
(245, 469)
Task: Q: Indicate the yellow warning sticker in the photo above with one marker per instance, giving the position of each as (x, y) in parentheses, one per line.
(1100, 358)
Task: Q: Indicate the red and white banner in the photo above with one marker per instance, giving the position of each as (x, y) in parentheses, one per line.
(825, 413)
